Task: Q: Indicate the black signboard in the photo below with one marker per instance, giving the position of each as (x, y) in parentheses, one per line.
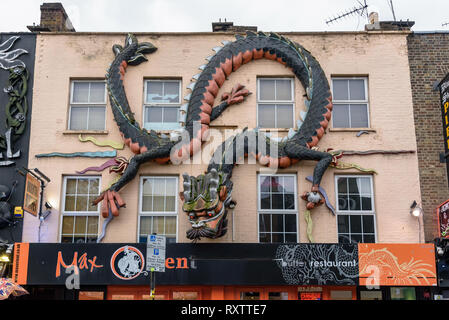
(191, 264)
(444, 97)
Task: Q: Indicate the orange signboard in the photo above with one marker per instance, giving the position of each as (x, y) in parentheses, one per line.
(397, 264)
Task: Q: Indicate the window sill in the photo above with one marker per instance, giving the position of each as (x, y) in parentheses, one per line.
(99, 132)
(275, 129)
(351, 129)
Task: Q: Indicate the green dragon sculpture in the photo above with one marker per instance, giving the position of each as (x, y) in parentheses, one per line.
(207, 197)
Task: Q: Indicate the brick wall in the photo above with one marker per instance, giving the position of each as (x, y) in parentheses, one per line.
(429, 63)
(54, 17)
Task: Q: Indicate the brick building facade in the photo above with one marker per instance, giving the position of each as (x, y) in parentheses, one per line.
(429, 64)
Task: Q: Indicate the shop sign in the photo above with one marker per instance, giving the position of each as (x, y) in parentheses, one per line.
(32, 190)
(319, 264)
(443, 219)
(156, 253)
(397, 264)
(444, 96)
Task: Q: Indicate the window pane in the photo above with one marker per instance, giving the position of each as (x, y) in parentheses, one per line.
(265, 183)
(340, 89)
(170, 114)
(277, 222)
(277, 237)
(368, 224)
(356, 224)
(92, 225)
(289, 201)
(154, 114)
(290, 223)
(147, 186)
(343, 202)
(289, 184)
(284, 116)
(154, 91)
(357, 89)
(365, 185)
(69, 203)
(264, 237)
(81, 203)
(264, 223)
(94, 186)
(80, 92)
(267, 90)
(276, 184)
(92, 207)
(170, 203)
(343, 224)
(158, 225)
(97, 92)
(96, 118)
(80, 225)
(290, 237)
(359, 116)
(342, 185)
(344, 238)
(353, 185)
(78, 118)
(145, 225)
(170, 225)
(147, 203)
(70, 186)
(265, 202)
(267, 115)
(366, 204)
(277, 201)
(354, 202)
(340, 116)
(369, 238)
(67, 225)
(356, 238)
(171, 92)
(83, 186)
(283, 90)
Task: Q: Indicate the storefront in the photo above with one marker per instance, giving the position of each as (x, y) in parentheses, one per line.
(222, 272)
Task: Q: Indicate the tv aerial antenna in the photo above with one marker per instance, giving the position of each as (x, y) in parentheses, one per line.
(361, 10)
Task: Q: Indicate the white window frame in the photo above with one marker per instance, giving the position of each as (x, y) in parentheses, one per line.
(277, 211)
(86, 104)
(349, 102)
(276, 102)
(371, 212)
(157, 213)
(78, 213)
(147, 104)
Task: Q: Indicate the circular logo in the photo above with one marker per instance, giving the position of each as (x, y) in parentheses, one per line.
(127, 263)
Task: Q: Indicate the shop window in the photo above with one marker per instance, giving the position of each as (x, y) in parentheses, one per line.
(355, 209)
(398, 293)
(277, 208)
(350, 103)
(341, 295)
(250, 295)
(277, 295)
(87, 105)
(91, 295)
(80, 217)
(371, 295)
(158, 207)
(184, 295)
(161, 104)
(275, 103)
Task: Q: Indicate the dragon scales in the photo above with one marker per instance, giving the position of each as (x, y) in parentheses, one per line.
(207, 197)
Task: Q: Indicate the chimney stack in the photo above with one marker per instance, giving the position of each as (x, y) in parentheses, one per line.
(229, 27)
(53, 19)
(376, 25)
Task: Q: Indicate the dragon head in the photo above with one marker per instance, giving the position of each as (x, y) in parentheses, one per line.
(206, 200)
(134, 50)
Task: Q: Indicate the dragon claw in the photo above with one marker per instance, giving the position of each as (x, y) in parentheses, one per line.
(111, 201)
(237, 94)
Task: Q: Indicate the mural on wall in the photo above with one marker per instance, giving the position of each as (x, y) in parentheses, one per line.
(17, 108)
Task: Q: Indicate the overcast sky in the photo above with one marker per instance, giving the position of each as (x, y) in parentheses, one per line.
(197, 15)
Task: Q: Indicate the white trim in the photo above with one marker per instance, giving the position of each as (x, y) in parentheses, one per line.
(371, 212)
(78, 213)
(349, 102)
(276, 102)
(278, 211)
(157, 213)
(87, 105)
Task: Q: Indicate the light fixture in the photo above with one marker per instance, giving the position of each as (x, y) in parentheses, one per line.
(48, 205)
(415, 210)
(6, 256)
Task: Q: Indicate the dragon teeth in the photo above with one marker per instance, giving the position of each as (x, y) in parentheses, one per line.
(202, 67)
(216, 49)
(187, 97)
(184, 107)
(191, 86)
(197, 76)
(225, 42)
(209, 58)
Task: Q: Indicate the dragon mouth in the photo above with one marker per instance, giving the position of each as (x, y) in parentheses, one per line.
(213, 227)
